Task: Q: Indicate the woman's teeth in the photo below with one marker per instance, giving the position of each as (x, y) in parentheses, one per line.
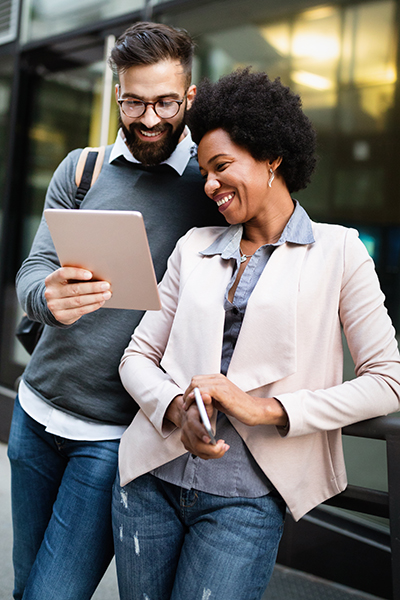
(225, 199)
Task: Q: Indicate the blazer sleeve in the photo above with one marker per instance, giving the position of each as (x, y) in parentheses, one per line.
(143, 378)
(371, 339)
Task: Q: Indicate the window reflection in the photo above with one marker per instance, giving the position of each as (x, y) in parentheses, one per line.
(5, 96)
(44, 17)
(369, 44)
(338, 59)
(241, 46)
(368, 71)
(60, 99)
(361, 184)
(365, 110)
(312, 44)
(315, 48)
(8, 293)
(6, 70)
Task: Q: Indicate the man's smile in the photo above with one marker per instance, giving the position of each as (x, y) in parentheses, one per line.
(150, 136)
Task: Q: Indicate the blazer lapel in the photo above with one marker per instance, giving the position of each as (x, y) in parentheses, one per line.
(195, 343)
(265, 351)
(266, 348)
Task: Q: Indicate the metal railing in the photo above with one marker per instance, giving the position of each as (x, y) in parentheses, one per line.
(373, 502)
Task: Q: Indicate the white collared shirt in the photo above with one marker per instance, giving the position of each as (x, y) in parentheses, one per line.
(178, 159)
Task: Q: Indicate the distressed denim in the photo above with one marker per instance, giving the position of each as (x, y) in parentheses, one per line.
(177, 544)
(61, 502)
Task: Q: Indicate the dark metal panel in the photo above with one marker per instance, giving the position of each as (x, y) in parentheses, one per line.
(364, 500)
(393, 458)
(6, 409)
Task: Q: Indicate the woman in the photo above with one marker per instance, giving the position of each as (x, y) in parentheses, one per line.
(252, 316)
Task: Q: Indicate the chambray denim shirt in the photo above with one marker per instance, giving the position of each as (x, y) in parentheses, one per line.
(236, 473)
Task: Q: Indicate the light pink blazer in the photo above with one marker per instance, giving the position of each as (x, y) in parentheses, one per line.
(289, 347)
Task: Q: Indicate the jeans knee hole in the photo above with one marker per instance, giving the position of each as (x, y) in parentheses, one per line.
(124, 498)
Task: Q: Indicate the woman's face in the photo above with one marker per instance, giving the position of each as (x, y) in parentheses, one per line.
(234, 179)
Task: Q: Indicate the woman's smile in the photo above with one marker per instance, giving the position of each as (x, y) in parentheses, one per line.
(223, 200)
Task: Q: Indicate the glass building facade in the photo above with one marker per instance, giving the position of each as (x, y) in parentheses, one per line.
(342, 59)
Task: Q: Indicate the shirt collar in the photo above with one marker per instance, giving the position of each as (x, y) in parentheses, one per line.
(178, 159)
(298, 230)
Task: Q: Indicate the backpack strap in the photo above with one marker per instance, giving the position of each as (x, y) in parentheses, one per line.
(87, 171)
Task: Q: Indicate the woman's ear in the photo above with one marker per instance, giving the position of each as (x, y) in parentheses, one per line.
(274, 164)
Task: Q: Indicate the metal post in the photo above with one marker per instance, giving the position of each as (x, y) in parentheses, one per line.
(147, 10)
(107, 92)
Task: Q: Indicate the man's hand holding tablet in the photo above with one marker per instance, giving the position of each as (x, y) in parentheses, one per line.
(70, 294)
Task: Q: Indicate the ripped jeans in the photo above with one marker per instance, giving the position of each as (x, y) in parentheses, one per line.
(177, 544)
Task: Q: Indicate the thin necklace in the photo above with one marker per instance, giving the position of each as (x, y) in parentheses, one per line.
(244, 257)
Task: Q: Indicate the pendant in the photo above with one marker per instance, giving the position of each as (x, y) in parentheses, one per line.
(243, 258)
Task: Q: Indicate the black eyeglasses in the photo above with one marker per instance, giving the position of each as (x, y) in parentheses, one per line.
(165, 109)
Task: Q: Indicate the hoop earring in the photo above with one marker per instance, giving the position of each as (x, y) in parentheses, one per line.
(272, 177)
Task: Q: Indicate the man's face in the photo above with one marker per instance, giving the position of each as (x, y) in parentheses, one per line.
(150, 138)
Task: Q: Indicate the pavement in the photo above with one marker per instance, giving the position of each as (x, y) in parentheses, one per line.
(5, 527)
(285, 584)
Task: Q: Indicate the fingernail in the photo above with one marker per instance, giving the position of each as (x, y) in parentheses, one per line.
(105, 286)
(107, 295)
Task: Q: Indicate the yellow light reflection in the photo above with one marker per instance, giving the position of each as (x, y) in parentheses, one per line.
(278, 37)
(312, 80)
(313, 42)
(377, 75)
(316, 46)
(319, 13)
(304, 44)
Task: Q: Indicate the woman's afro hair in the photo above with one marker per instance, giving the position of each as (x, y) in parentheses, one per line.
(262, 116)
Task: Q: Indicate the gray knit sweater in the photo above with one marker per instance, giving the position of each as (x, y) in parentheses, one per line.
(75, 368)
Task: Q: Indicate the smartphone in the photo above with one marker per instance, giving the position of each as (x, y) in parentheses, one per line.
(204, 415)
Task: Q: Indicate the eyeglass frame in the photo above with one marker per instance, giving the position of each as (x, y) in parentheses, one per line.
(152, 104)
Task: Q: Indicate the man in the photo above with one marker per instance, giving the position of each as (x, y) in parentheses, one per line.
(72, 408)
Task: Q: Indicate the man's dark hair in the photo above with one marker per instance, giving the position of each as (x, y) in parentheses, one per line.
(262, 116)
(146, 43)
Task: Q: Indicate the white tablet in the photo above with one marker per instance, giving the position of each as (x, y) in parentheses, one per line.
(113, 245)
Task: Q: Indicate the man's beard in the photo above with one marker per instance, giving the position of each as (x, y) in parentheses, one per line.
(152, 153)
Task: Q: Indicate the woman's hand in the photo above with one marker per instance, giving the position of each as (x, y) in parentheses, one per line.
(226, 397)
(174, 411)
(194, 436)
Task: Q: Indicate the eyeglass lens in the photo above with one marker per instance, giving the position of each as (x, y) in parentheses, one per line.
(163, 108)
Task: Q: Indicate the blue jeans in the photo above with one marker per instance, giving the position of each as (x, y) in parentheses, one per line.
(61, 503)
(177, 544)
